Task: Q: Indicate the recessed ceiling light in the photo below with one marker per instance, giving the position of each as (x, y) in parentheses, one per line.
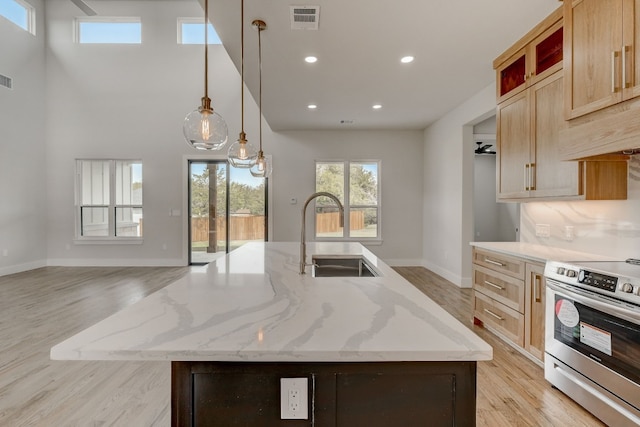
(407, 59)
(312, 106)
(310, 59)
(377, 106)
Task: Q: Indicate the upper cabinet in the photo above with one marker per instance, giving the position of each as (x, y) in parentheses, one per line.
(530, 119)
(602, 78)
(527, 134)
(602, 54)
(530, 61)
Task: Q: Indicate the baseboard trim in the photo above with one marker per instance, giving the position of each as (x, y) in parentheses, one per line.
(13, 269)
(403, 262)
(461, 282)
(99, 262)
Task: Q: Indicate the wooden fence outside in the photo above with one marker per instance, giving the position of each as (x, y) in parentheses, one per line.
(252, 227)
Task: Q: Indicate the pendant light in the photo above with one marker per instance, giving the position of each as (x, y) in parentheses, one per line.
(203, 128)
(241, 153)
(263, 167)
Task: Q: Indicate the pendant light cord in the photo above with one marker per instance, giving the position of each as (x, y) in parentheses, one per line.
(242, 66)
(206, 48)
(260, 86)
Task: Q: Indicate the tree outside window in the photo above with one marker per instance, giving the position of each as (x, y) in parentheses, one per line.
(360, 187)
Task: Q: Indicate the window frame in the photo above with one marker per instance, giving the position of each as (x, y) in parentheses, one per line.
(347, 204)
(77, 34)
(112, 207)
(31, 17)
(199, 21)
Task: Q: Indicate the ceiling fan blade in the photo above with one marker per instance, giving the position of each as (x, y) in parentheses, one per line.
(84, 7)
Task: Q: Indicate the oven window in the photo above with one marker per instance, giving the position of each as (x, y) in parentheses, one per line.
(613, 342)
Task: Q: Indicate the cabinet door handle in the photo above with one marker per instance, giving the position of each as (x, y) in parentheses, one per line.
(614, 53)
(526, 177)
(536, 287)
(532, 177)
(486, 282)
(493, 314)
(625, 84)
(490, 261)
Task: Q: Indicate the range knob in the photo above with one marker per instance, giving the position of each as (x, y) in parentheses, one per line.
(626, 287)
(571, 273)
(560, 270)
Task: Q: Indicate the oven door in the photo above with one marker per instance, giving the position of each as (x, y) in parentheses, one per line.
(592, 347)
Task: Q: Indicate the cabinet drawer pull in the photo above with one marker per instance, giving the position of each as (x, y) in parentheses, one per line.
(486, 282)
(490, 261)
(493, 314)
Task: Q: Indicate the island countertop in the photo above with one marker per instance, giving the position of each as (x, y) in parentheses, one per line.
(252, 305)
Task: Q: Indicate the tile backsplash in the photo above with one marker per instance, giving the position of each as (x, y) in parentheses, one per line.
(610, 228)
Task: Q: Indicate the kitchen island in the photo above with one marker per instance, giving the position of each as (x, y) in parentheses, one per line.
(373, 350)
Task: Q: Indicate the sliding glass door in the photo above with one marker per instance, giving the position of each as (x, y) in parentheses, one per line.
(227, 208)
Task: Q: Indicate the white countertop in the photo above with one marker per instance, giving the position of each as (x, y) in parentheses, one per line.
(253, 306)
(539, 253)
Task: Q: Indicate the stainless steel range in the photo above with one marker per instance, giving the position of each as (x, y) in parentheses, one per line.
(592, 336)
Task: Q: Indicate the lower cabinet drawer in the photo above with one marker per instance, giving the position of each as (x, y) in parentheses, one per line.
(502, 288)
(503, 319)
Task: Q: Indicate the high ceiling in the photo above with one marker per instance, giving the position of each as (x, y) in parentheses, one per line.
(359, 44)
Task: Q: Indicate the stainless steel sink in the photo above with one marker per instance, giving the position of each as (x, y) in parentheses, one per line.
(341, 266)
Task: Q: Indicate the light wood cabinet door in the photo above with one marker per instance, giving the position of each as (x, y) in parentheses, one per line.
(534, 310)
(513, 138)
(631, 49)
(593, 57)
(550, 177)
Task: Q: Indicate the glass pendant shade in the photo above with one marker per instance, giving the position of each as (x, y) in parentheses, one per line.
(242, 154)
(205, 129)
(262, 168)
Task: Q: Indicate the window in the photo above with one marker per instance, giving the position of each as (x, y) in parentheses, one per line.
(109, 198)
(108, 30)
(191, 31)
(358, 183)
(20, 13)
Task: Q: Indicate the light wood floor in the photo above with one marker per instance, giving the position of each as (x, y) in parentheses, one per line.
(42, 307)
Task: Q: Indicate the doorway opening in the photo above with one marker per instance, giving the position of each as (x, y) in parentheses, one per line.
(493, 221)
(227, 208)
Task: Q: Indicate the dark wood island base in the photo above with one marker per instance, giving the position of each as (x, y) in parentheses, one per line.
(340, 394)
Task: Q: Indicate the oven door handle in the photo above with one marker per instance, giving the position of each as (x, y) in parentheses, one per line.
(595, 301)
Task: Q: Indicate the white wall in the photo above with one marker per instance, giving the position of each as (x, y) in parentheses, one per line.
(401, 178)
(493, 221)
(128, 102)
(23, 209)
(609, 228)
(448, 188)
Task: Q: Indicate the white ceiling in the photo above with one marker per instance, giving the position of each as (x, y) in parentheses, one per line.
(359, 44)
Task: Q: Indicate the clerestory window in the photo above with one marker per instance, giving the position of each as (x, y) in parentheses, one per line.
(20, 13)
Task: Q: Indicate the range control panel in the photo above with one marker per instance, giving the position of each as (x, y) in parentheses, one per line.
(598, 280)
(596, 277)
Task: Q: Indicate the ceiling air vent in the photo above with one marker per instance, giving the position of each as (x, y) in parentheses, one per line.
(6, 81)
(305, 17)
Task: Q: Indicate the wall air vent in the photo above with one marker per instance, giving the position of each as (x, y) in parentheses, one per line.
(6, 81)
(304, 17)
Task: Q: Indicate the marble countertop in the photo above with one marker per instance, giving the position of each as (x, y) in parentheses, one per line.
(253, 306)
(539, 253)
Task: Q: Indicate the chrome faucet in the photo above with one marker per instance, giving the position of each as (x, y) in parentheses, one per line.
(303, 243)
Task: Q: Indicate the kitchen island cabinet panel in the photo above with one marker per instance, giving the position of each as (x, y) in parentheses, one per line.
(340, 394)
